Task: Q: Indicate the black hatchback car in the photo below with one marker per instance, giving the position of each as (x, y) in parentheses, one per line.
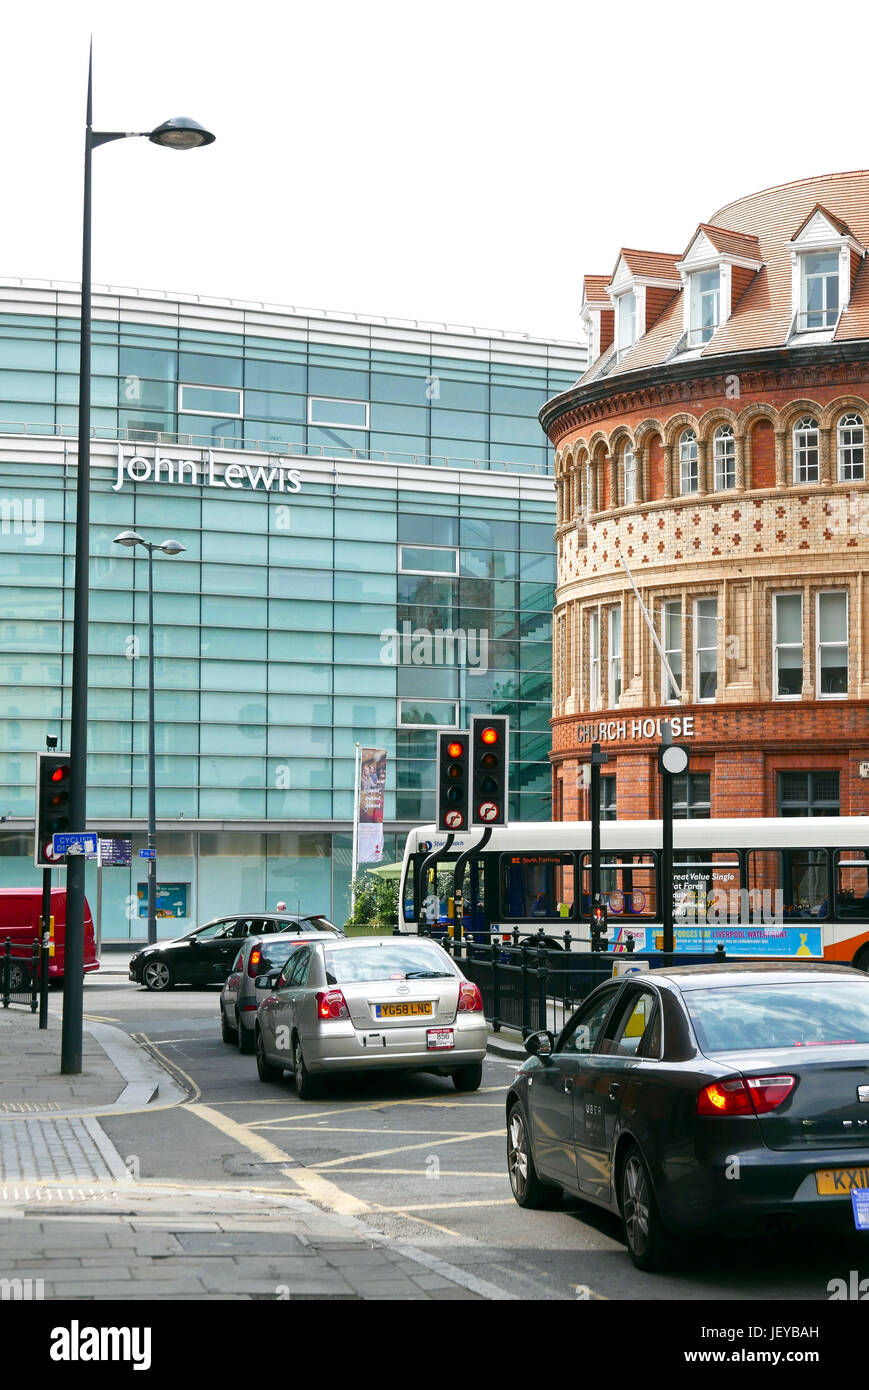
(205, 955)
(701, 1098)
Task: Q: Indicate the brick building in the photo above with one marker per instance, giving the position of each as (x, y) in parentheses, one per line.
(716, 444)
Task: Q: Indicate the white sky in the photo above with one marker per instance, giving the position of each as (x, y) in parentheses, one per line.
(465, 161)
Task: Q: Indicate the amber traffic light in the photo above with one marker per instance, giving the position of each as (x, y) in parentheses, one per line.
(490, 756)
(453, 781)
(52, 804)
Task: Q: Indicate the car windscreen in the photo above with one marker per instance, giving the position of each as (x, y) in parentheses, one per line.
(805, 1014)
(394, 960)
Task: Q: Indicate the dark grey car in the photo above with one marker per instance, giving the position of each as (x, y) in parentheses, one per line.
(701, 1098)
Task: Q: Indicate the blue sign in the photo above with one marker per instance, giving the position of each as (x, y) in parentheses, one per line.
(116, 852)
(147, 854)
(84, 842)
(860, 1203)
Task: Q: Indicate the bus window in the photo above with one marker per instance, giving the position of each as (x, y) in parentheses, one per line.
(851, 883)
(435, 896)
(785, 885)
(627, 881)
(537, 886)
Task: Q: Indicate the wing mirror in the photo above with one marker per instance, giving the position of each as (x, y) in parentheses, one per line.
(540, 1044)
(267, 981)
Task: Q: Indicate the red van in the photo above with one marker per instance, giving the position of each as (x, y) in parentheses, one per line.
(20, 910)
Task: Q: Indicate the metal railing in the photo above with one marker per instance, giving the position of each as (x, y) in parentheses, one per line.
(284, 449)
(20, 974)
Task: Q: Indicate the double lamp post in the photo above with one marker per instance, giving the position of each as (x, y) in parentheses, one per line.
(180, 133)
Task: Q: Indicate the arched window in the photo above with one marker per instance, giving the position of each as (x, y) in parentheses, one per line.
(849, 438)
(629, 477)
(724, 452)
(689, 478)
(807, 450)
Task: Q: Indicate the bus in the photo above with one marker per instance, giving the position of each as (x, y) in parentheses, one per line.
(795, 887)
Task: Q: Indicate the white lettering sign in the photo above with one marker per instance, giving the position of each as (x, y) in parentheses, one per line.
(206, 472)
(612, 730)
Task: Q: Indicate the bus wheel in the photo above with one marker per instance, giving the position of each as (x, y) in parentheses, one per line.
(861, 960)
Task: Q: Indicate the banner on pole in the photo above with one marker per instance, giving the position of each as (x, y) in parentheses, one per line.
(372, 793)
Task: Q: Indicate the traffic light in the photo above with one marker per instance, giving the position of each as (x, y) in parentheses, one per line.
(598, 924)
(453, 785)
(490, 753)
(52, 804)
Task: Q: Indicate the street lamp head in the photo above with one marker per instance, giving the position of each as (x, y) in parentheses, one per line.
(173, 547)
(129, 538)
(180, 133)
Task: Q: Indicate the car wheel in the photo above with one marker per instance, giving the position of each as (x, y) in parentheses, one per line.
(225, 1031)
(528, 1190)
(650, 1245)
(468, 1078)
(306, 1087)
(244, 1038)
(157, 975)
(266, 1071)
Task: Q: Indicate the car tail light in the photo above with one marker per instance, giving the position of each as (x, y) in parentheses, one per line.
(756, 1095)
(470, 998)
(254, 963)
(331, 1004)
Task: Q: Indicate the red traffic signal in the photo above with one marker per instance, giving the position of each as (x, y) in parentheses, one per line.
(53, 774)
(453, 782)
(490, 750)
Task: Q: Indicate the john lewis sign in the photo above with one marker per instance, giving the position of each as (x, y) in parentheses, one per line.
(136, 467)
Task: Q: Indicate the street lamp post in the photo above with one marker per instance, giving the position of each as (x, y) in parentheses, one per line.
(180, 133)
(672, 762)
(170, 547)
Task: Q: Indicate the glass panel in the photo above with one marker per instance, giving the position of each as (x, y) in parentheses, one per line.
(789, 618)
(337, 412)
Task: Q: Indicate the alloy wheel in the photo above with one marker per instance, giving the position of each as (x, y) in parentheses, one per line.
(635, 1204)
(156, 975)
(517, 1157)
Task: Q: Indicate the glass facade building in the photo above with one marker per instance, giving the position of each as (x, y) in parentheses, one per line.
(367, 511)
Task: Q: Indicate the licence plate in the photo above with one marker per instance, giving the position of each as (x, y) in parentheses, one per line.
(839, 1182)
(406, 1010)
(439, 1038)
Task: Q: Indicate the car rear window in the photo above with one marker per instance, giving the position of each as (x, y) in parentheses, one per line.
(392, 960)
(804, 1014)
(320, 924)
(277, 953)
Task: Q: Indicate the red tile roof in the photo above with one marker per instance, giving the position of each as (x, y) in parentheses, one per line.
(594, 289)
(649, 265)
(729, 243)
(760, 227)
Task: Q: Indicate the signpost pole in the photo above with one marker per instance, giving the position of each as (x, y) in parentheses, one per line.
(45, 925)
(597, 759)
(355, 852)
(667, 844)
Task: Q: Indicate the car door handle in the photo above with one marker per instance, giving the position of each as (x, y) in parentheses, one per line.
(614, 1090)
(568, 1084)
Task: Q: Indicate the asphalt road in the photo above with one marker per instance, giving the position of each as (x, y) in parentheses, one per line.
(415, 1159)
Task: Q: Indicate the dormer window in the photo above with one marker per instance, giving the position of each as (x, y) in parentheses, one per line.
(716, 270)
(627, 322)
(820, 290)
(825, 258)
(705, 305)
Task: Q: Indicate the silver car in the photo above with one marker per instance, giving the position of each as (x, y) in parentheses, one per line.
(240, 998)
(373, 1003)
